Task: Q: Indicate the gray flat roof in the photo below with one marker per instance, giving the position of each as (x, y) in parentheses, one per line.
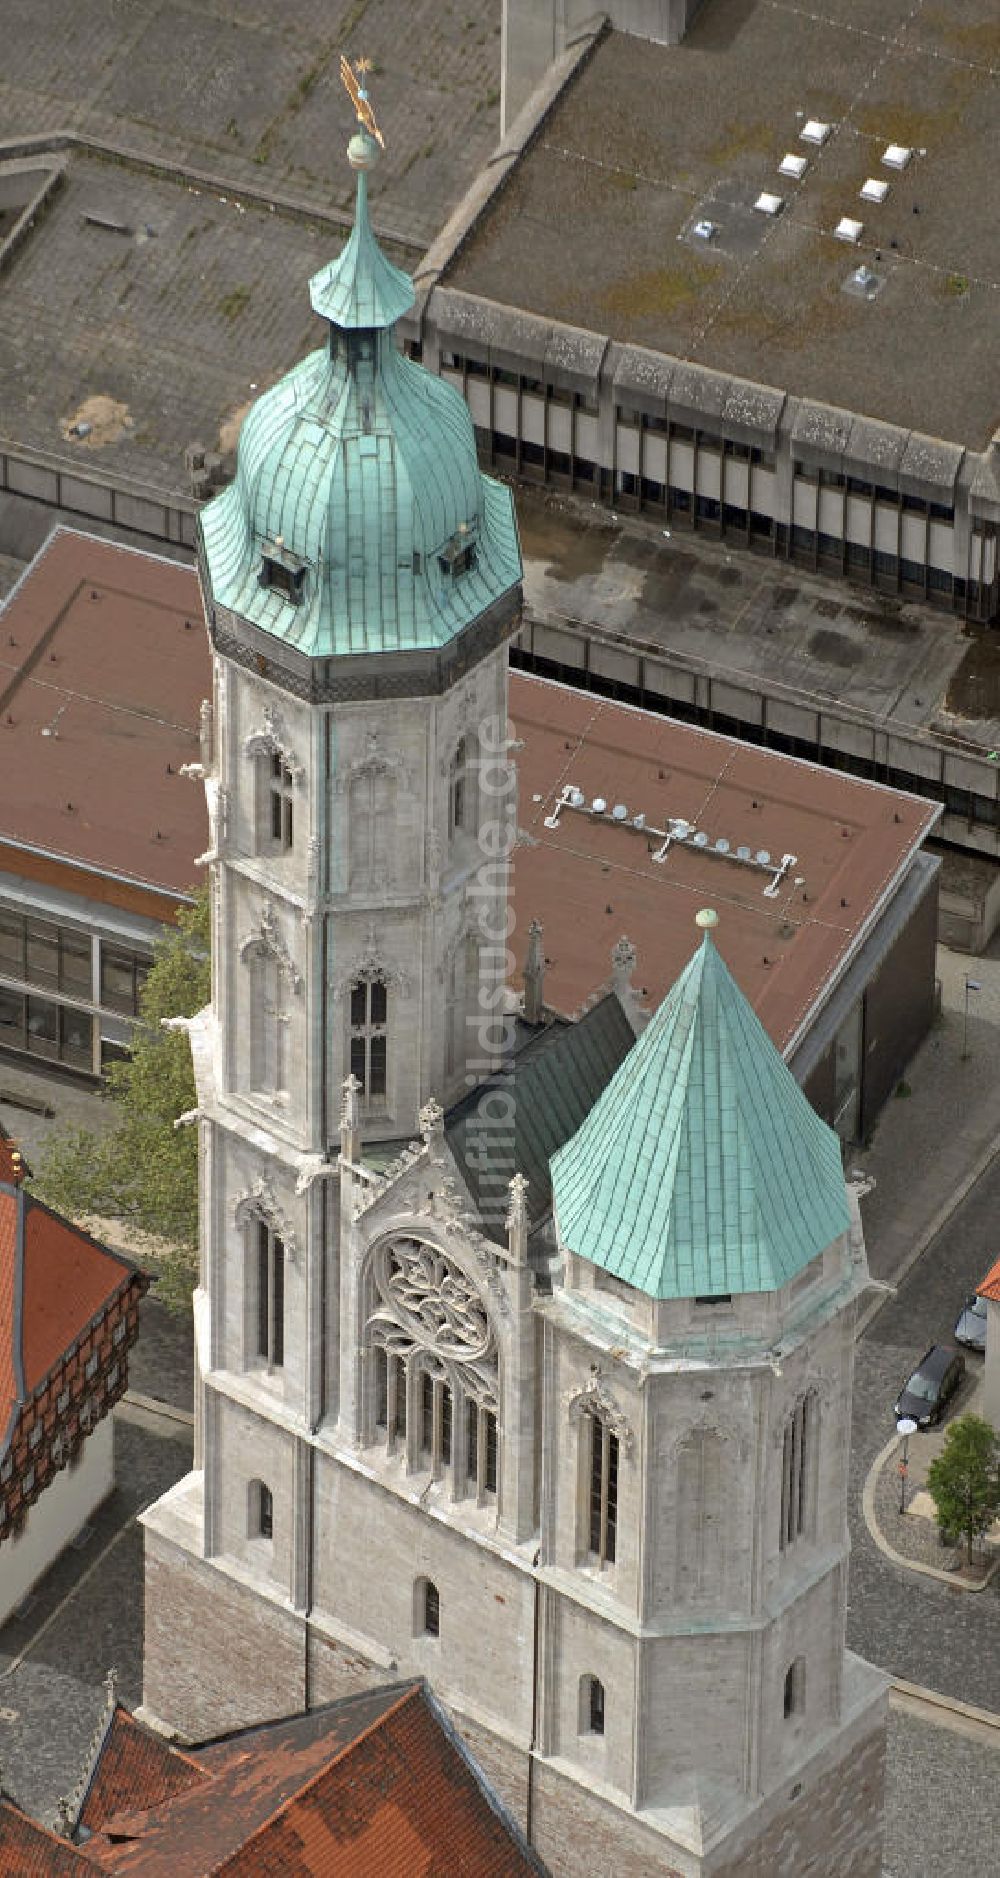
(177, 328)
(748, 617)
(252, 91)
(594, 225)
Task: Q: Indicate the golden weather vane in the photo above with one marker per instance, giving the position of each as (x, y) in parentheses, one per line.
(358, 95)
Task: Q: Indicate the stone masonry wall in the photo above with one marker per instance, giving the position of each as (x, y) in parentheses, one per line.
(579, 1835)
(833, 1830)
(217, 1656)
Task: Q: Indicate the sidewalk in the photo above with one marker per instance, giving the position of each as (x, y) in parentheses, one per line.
(932, 1143)
(930, 1146)
(911, 1538)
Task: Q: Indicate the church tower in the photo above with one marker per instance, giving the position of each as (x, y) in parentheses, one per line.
(696, 1381)
(360, 579)
(580, 1459)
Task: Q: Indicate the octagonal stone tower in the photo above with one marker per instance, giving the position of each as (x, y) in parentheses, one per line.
(360, 579)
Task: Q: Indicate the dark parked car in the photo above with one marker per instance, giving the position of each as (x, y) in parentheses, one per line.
(970, 1327)
(933, 1383)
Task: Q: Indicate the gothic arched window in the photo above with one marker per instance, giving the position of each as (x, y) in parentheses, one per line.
(458, 789)
(372, 813)
(591, 1705)
(280, 794)
(271, 971)
(369, 1014)
(602, 1484)
(463, 788)
(434, 1368)
(260, 1510)
(794, 1698)
(267, 1289)
(268, 1023)
(426, 1608)
(481, 1447)
(798, 1446)
(436, 1418)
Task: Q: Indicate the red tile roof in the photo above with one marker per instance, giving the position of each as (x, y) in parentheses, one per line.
(27, 1850)
(134, 1761)
(55, 1281)
(372, 1787)
(68, 1280)
(990, 1285)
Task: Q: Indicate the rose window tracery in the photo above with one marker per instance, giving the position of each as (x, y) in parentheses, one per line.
(425, 1304)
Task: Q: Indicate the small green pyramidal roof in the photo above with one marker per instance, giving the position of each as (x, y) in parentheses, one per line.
(702, 1170)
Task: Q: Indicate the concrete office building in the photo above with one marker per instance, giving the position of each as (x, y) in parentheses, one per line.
(744, 283)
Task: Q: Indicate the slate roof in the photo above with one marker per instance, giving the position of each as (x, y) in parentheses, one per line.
(702, 1169)
(364, 466)
(375, 1786)
(554, 1083)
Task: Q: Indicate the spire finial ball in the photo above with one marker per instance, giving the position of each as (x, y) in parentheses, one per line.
(707, 918)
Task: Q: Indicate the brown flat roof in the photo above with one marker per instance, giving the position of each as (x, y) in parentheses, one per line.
(593, 227)
(109, 653)
(590, 882)
(104, 648)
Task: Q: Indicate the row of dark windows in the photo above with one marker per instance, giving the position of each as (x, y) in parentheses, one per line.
(660, 424)
(878, 492)
(755, 528)
(40, 952)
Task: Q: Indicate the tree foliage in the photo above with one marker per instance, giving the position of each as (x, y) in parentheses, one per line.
(964, 1480)
(143, 1171)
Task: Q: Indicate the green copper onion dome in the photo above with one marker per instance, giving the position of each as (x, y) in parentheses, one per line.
(358, 520)
(702, 1169)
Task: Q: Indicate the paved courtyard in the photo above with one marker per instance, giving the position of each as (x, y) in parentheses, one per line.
(86, 1618)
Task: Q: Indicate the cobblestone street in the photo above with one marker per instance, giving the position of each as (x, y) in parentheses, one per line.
(940, 1802)
(912, 1626)
(85, 1619)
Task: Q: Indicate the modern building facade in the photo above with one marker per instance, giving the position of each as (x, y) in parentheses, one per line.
(570, 1442)
(96, 853)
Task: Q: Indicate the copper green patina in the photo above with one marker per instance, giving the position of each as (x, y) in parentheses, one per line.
(702, 1169)
(358, 474)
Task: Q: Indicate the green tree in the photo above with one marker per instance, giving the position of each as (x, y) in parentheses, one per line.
(964, 1480)
(142, 1170)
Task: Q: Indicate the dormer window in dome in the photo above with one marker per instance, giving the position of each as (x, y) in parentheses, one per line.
(458, 556)
(282, 571)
